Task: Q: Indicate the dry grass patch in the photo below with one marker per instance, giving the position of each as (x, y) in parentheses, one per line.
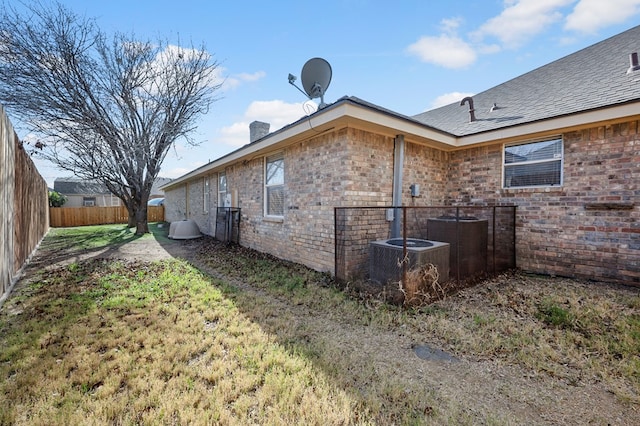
(576, 331)
(271, 342)
(149, 343)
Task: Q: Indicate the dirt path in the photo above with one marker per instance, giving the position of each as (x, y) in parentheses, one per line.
(481, 389)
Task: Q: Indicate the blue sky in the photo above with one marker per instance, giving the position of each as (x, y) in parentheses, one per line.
(407, 56)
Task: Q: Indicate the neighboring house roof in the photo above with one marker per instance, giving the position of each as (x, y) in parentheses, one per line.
(588, 86)
(75, 186)
(159, 182)
(592, 78)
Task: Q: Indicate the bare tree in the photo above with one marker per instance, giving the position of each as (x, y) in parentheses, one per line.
(104, 108)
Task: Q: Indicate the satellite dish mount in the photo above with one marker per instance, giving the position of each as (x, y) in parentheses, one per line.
(316, 77)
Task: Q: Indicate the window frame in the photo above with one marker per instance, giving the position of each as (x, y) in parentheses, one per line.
(535, 162)
(278, 156)
(205, 194)
(222, 192)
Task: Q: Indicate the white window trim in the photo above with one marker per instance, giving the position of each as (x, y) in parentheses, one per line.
(271, 217)
(550, 160)
(205, 194)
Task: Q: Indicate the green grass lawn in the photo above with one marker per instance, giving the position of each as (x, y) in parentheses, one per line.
(98, 236)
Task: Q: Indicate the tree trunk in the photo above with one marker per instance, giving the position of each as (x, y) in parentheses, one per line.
(142, 227)
(132, 217)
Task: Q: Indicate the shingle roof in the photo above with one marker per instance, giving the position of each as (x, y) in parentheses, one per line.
(159, 182)
(73, 186)
(592, 78)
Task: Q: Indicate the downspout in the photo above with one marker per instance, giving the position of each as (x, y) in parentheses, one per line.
(398, 167)
(186, 200)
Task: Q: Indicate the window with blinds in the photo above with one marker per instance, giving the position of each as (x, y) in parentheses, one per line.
(533, 164)
(274, 185)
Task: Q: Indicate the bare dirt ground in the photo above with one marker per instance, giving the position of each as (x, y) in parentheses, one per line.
(483, 389)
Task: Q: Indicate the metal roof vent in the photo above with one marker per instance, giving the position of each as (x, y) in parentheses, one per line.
(472, 113)
(634, 65)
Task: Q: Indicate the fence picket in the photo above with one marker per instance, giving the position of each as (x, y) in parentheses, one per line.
(23, 206)
(62, 217)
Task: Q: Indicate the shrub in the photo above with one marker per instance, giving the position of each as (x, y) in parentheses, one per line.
(56, 199)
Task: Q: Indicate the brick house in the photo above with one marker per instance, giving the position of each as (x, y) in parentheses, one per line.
(561, 142)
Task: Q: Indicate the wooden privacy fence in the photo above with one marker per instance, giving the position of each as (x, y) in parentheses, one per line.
(62, 217)
(24, 202)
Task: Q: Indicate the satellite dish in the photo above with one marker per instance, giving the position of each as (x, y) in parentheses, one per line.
(316, 76)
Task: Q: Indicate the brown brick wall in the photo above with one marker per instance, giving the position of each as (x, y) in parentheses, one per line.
(196, 209)
(187, 202)
(571, 230)
(343, 168)
(427, 167)
(474, 175)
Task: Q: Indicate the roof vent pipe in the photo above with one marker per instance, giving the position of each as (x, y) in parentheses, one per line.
(472, 111)
(633, 63)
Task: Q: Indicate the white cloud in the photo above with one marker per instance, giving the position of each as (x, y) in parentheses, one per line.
(172, 51)
(179, 171)
(236, 134)
(445, 50)
(450, 25)
(236, 80)
(277, 113)
(448, 98)
(589, 16)
(251, 77)
(521, 20)
(488, 49)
